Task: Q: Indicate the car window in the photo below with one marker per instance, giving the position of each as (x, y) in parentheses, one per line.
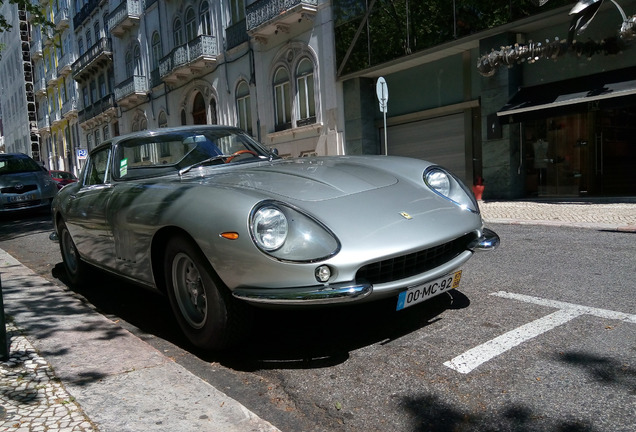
(15, 164)
(97, 168)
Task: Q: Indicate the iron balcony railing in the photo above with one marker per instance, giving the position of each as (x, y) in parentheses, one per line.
(65, 62)
(69, 107)
(61, 17)
(262, 11)
(136, 84)
(84, 13)
(201, 46)
(101, 48)
(97, 108)
(236, 34)
(125, 15)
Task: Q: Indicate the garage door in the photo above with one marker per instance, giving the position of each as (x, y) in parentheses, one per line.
(439, 140)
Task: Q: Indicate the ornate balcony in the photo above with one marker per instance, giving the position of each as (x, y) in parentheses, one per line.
(98, 113)
(124, 17)
(56, 118)
(69, 108)
(36, 49)
(64, 64)
(43, 124)
(98, 56)
(40, 86)
(236, 34)
(192, 59)
(132, 91)
(265, 18)
(51, 77)
(61, 19)
(84, 13)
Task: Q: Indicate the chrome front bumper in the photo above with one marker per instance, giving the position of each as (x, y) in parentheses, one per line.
(323, 294)
(488, 241)
(341, 293)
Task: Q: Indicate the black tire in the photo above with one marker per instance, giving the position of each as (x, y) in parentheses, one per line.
(204, 308)
(76, 269)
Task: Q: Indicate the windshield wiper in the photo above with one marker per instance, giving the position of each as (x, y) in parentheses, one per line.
(203, 162)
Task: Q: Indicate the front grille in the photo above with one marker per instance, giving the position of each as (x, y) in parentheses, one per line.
(22, 205)
(415, 263)
(23, 189)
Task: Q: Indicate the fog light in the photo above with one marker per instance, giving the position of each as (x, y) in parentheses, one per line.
(323, 273)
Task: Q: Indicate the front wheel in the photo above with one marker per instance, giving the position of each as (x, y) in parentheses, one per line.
(202, 305)
(76, 269)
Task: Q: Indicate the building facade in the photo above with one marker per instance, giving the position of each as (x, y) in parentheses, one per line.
(525, 107)
(17, 97)
(257, 65)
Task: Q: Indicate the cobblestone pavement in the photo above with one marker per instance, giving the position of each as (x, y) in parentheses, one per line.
(613, 216)
(31, 398)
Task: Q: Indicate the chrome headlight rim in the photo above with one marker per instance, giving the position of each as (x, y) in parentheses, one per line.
(295, 216)
(269, 215)
(456, 191)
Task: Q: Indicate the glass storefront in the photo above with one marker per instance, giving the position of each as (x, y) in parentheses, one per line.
(582, 154)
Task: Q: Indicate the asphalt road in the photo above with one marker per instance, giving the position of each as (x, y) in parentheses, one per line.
(540, 336)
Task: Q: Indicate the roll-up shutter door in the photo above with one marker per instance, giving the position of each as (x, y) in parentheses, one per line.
(439, 140)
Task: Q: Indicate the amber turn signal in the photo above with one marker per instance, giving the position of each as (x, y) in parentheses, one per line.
(230, 235)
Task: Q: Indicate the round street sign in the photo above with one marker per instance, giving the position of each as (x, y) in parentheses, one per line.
(382, 91)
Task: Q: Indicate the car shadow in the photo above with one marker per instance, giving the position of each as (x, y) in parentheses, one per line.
(275, 338)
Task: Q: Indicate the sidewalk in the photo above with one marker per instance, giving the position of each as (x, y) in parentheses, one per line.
(73, 370)
(77, 371)
(580, 214)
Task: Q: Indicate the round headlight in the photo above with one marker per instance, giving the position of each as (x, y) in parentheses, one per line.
(438, 180)
(269, 228)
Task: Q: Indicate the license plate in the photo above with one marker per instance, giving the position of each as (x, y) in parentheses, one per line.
(20, 198)
(425, 291)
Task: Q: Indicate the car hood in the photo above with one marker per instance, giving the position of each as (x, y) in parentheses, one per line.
(308, 180)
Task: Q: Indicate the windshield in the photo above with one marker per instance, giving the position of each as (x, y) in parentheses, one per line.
(10, 164)
(164, 153)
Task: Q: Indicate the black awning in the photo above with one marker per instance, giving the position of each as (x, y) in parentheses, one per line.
(568, 96)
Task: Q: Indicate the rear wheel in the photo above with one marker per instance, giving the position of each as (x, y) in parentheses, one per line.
(203, 306)
(76, 269)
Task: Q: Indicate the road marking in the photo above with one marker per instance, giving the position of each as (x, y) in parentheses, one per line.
(566, 312)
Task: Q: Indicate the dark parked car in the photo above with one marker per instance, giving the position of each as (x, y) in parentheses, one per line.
(215, 220)
(62, 178)
(24, 184)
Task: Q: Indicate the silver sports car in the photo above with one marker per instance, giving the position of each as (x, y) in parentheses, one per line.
(215, 220)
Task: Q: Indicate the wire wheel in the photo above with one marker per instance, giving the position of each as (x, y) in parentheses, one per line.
(189, 291)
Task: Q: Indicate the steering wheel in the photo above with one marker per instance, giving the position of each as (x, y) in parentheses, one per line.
(238, 153)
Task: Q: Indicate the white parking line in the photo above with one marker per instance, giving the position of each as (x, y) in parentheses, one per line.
(566, 312)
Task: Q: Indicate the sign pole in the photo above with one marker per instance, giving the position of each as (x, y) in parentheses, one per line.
(382, 92)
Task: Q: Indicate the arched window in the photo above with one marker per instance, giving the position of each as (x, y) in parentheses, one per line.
(96, 30)
(184, 120)
(306, 102)
(163, 119)
(89, 39)
(282, 99)
(80, 46)
(156, 50)
(198, 110)
(204, 13)
(137, 59)
(105, 20)
(129, 64)
(190, 24)
(243, 107)
(177, 29)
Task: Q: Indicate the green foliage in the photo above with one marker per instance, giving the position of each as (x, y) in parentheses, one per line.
(396, 28)
(34, 11)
